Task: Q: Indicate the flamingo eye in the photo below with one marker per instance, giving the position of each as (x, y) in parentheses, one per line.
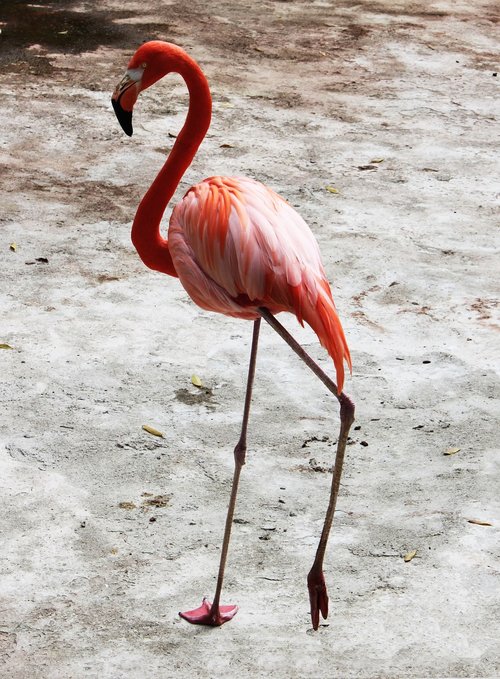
(143, 65)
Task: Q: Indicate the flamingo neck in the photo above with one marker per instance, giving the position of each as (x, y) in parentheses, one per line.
(146, 236)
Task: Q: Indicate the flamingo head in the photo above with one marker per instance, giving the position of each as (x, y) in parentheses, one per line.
(152, 61)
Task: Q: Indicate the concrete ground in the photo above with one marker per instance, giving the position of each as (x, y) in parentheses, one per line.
(108, 531)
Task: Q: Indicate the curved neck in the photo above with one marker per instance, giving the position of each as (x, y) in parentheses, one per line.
(146, 236)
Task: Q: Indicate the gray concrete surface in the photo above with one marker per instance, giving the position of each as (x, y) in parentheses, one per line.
(106, 531)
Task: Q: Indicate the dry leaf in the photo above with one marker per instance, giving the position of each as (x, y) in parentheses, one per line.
(152, 430)
(377, 160)
(195, 380)
(332, 189)
(478, 522)
(5, 346)
(410, 555)
(227, 146)
(451, 451)
(127, 505)
(13, 247)
(158, 501)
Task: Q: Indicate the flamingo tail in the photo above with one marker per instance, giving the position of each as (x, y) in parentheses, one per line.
(323, 319)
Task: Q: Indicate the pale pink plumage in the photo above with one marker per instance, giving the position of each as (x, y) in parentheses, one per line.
(237, 245)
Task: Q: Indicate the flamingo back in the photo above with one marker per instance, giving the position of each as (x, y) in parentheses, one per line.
(237, 245)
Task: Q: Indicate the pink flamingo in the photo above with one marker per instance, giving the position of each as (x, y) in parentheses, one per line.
(239, 249)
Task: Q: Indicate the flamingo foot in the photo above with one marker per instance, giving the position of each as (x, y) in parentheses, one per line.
(318, 596)
(206, 614)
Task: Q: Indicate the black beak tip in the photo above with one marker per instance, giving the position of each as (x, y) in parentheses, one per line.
(124, 117)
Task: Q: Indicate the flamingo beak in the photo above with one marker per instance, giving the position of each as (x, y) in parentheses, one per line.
(124, 98)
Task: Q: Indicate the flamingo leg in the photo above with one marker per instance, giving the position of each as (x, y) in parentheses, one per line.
(213, 614)
(318, 595)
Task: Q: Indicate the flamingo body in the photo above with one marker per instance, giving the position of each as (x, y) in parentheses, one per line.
(238, 249)
(236, 245)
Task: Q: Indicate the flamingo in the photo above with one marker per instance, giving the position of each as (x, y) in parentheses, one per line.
(239, 249)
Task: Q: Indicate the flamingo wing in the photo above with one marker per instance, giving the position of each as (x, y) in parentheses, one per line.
(237, 245)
